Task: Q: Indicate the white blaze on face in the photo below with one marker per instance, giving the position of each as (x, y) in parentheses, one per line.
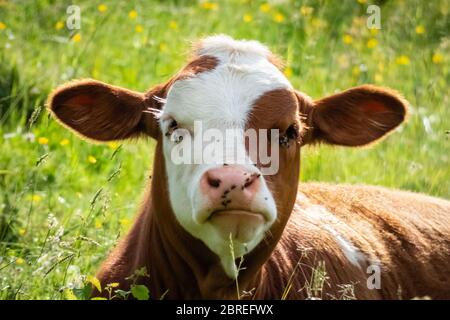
(221, 99)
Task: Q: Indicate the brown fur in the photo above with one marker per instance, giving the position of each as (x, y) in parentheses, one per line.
(402, 231)
(354, 117)
(407, 234)
(97, 110)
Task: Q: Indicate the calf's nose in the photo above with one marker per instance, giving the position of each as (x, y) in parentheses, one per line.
(230, 186)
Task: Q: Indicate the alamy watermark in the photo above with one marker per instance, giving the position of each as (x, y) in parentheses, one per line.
(374, 19)
(374, 279)
(73, 20)
(230, 146)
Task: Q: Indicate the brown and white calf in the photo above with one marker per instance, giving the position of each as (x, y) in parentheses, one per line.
(297, 241)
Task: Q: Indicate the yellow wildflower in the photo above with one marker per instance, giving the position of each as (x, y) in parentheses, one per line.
(288, 72)
(247, 18)
(114, 284)
(20, 261)
(173, 25)
(22, 231)
(362, 1)
(102, 8)
(162, 47)
(76, 38)
(36, 198)
(98, 224)
(265, 7)
(209, 5)
(278, 18)
(437, 58)
(374, 31)
(113, 145)
(378, 77)
(59, 25)
(124, 222)
(43, 140)
(420, 29)
(403, 60)
(356, 71)
(2, 26)
(132, 14)
(347, 39)
(92, 159)
(372, 43)
(64, 142)
(139, 28)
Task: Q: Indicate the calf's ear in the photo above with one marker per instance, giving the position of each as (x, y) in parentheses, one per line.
(357, 116)
(103, 112)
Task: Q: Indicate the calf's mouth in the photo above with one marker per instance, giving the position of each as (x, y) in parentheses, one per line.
(240, 225)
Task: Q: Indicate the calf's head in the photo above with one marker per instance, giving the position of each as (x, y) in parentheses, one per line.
(229, 89)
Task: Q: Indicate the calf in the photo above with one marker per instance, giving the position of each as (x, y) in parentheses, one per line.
(226, 229)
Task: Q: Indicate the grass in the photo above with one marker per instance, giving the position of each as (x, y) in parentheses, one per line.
(64, 202)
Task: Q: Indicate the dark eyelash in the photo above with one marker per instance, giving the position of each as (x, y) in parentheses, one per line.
(172, 126)
(290, 134)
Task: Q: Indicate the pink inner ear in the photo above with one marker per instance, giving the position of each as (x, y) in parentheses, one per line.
(375, 106)
(80, 100)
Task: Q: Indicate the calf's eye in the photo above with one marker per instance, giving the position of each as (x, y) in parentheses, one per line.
(173, 125)
(172, 132)
(291, 133)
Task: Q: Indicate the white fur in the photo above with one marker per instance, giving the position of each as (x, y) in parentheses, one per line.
(229, 50)
(222, 98)
(348, 249)
(326, 220)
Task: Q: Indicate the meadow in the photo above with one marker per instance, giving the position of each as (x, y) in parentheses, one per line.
(64, 202)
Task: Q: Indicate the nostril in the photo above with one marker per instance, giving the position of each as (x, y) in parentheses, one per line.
(215, 183)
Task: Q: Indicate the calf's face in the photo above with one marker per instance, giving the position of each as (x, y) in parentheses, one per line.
(217, 119)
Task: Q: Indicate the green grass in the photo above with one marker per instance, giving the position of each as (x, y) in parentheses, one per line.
(60, 213)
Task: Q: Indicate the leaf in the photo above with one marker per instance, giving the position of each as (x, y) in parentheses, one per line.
(83, 293)
(140, 292)
(142, 272)
(70, 295)
(123, 294)
(99, 298)
(95, 282)
(113, 285)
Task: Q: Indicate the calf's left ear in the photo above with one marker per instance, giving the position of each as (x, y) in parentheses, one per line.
(357, 116)
(102, 112)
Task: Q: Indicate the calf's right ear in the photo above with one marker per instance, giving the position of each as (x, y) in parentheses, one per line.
(102, 112)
